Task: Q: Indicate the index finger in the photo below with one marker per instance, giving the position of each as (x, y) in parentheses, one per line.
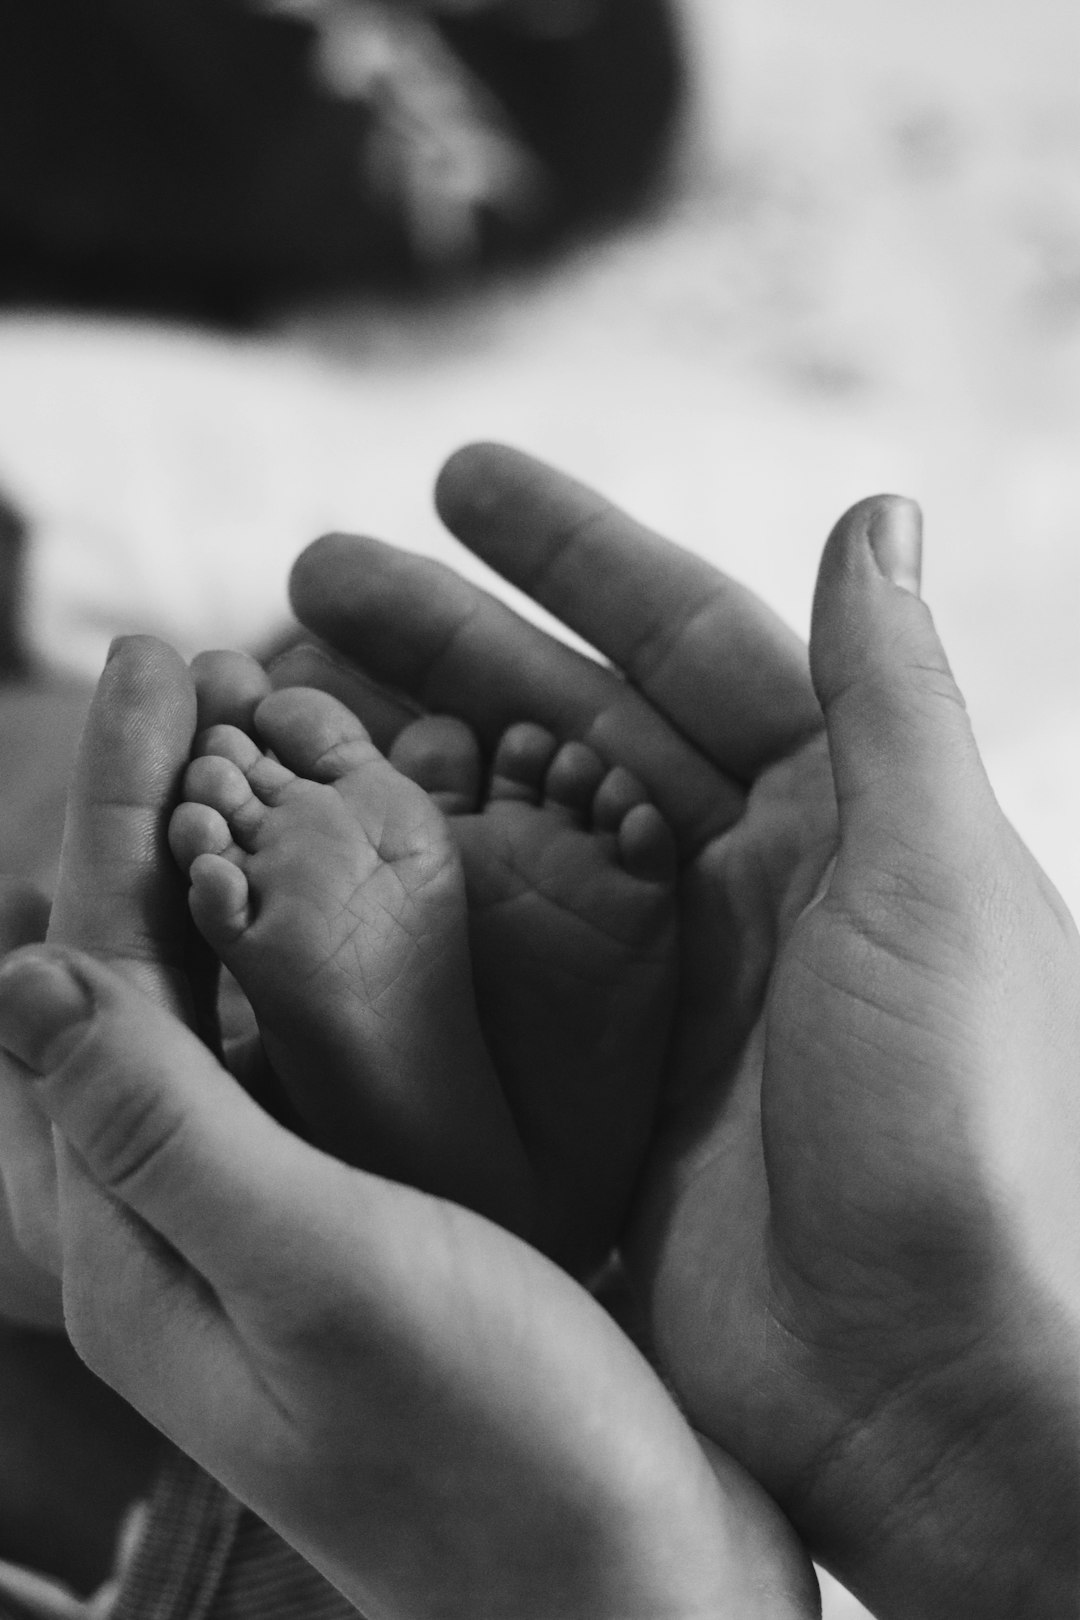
(426, 632)
(706, 651)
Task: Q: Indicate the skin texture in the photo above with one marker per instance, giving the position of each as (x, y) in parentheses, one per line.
(431, 1412)
(117, 893)
(335, 891)
(857, 1239)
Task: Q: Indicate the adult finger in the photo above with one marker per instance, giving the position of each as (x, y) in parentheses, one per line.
(905, 763)
(381, 712)
(119, 893)
(163, 1131)
(27, 1163)
(704, 649)
(423, 630)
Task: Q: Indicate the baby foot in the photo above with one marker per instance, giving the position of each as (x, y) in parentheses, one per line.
(328, 885)
(570, 873)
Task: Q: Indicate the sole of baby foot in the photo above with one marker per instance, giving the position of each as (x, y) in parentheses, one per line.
(570, 873)
(328, 885)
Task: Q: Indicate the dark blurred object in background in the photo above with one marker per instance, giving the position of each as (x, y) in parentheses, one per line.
(12, 542)
(215, 158)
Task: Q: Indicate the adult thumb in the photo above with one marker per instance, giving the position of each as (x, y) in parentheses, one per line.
(152, 1117)
(908, 777)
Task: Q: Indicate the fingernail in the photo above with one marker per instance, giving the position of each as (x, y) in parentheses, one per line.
(895, 536)
(304, 650)
(43, 1008)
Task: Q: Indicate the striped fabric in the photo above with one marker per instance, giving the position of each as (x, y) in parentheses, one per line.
(202, 1556)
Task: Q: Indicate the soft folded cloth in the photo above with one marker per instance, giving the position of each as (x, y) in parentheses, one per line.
(191, 1552)
(29, 1595)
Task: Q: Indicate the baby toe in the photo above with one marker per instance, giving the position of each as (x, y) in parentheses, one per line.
(227, 742)
(617, 795)
(229, 686)
(220, 784)
(313, 734)
(219, 899)
(521, 762)
(269, 780)
(440, 754)
(573, 780)
(647, 845)
(196, 829)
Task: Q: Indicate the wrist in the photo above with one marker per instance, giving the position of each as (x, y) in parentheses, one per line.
(960, 1497)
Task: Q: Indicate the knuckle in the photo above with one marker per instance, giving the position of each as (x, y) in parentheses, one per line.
(130, 1142)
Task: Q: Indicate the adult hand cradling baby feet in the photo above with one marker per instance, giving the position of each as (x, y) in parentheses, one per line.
(857, 1236)
(429, 1411)
(836, 1131)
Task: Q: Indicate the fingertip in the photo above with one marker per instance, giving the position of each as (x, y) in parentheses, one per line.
(314, 578)
(140, 670)
(332, 567)
(900, 743)
(462, 479)
(894, 532)
(875, 547)
(880, 537)
(45, 1004)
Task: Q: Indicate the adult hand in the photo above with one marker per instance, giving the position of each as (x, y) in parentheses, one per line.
(433, 1414)
(29, 1295)
(118, 894)
(858, 1234)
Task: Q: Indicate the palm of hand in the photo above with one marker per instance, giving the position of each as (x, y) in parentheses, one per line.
(825, 1185)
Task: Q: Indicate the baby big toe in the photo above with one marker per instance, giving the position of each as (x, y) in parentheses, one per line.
(313, 734)
(521, 762)
(440, 754)
(572, 781)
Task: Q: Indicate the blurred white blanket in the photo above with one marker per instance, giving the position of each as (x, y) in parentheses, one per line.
(869, 277)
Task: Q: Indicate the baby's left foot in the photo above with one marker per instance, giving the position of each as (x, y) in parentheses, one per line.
(328, 885)
(570, 872)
